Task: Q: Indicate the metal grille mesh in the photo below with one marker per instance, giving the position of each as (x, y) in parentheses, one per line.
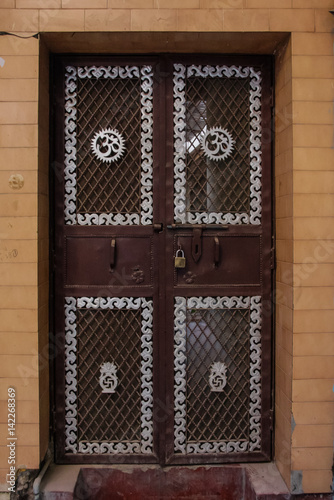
(212, 336)
(109, 335)
(108, 187)
(218, 186)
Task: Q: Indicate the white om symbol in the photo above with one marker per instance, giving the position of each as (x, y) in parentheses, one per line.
(217, 143)
(108, 145)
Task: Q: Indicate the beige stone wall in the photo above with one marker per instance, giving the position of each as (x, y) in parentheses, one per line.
(284, 251)
(305, 255)
(19, 246)
(313, 254)
(304, 174)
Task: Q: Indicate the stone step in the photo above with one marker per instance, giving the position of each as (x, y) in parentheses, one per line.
(151, 482)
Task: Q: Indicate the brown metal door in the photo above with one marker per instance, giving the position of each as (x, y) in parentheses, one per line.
(158, 157)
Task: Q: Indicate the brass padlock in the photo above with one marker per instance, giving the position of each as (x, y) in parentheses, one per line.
(179, 260)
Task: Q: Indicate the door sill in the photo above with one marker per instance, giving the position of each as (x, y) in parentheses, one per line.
(235, 482)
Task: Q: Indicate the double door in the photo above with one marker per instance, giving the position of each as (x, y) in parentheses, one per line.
(163, 275)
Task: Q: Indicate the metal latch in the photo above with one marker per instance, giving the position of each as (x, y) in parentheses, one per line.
(112, 253)
(196, 244)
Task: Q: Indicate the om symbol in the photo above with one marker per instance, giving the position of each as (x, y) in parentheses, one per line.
(108, 145)
(217, 143)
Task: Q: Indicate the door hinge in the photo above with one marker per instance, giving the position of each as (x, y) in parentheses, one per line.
(272, 258)
(271, 419)
(52, 260)
(272, 97)
(53, 423)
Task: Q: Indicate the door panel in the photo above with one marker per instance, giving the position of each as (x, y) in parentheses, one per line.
(217, 350)
(221, 220)
(109, 372)
(156, 155)
(225, 260)
(217, 141)
(105, 281)
(108, 119)
(109, 261)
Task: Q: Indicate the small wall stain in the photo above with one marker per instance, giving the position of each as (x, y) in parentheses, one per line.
(16, 181)
(293, 424)
(297, 481)
(7, 255)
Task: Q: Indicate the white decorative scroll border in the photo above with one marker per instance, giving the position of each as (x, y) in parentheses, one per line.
(70, 375)
(146, 100)
(181, 304)
(145, 446)
(180, 211)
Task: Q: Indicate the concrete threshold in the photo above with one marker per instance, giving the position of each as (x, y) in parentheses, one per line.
(152, 482)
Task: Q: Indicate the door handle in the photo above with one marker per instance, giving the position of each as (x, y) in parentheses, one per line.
(112, 253)
(216, 253)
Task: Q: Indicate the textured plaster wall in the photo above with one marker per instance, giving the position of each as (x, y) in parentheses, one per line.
(304, 194)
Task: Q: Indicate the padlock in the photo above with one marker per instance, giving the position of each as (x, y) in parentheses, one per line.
(179, 260)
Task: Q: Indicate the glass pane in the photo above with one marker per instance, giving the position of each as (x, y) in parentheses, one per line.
(217, 124)
(217, 337)
(217, 145)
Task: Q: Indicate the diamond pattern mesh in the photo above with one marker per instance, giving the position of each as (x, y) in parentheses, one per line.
(108, 187)
(217, 335)
(221, 186)
(115, 336)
